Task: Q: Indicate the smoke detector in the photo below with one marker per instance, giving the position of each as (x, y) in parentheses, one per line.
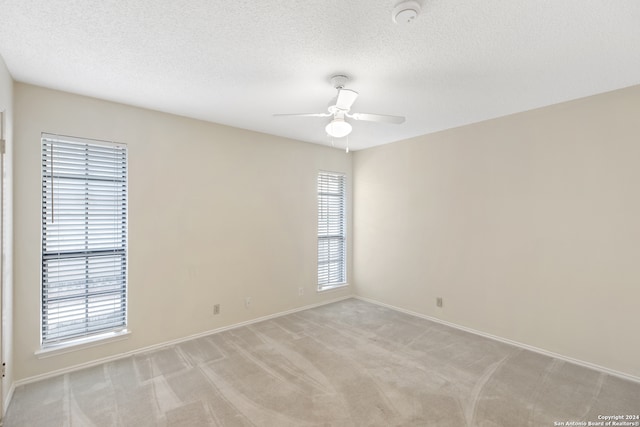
(405, 12)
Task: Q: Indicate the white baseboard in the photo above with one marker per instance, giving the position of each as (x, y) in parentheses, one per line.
(165, 344)
(306, 307)
(589, 365)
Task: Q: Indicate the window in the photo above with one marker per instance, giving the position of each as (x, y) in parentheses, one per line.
(332, 242)
(84, 238)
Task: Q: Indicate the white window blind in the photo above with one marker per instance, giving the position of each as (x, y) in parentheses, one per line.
(84, 238)
(331, 230)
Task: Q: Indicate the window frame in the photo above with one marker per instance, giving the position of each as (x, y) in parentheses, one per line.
(117, 246)
(328, 284)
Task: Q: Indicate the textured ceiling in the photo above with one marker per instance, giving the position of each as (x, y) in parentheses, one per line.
(237, 62)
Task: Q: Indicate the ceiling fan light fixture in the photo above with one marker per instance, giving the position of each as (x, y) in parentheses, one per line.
(338, 128)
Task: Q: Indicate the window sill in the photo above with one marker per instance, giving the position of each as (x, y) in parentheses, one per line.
(333, 287)
(82, 343)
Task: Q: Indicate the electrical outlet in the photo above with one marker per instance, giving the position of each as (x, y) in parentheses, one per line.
(247, 302)
(216, 309)
(439, 302)
(300, 291)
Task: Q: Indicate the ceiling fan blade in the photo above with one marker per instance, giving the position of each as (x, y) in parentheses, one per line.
(346, 98)
(304, 115)
(377, 118)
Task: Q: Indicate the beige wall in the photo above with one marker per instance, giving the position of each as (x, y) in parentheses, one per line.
(215, 214)
(6, 105)
(528, 226)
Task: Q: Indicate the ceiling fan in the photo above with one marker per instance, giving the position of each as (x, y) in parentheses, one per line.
(338, 127)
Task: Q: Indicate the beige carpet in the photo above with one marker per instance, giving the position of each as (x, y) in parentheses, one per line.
(345, 364)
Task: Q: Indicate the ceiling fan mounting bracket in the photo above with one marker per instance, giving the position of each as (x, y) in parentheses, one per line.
(339, 81)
